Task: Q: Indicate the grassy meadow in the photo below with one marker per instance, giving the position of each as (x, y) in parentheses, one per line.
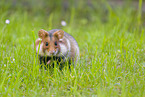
(112, 51)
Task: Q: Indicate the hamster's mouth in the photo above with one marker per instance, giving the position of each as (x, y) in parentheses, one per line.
(48, 62)
(55, 53)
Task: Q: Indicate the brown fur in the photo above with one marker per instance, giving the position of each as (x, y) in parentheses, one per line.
(51, 42)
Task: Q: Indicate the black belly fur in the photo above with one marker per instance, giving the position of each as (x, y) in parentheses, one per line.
(45, 59)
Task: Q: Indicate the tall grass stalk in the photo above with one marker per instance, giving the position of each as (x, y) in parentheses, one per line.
(139, 12)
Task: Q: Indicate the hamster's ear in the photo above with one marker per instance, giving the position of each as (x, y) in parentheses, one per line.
(59, 34)
(42, 33)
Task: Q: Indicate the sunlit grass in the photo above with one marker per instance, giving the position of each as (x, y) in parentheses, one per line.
(112, 61)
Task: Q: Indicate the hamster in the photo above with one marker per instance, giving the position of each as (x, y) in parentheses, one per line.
(56, 45)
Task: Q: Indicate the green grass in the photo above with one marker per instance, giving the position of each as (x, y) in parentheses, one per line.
(112, 53)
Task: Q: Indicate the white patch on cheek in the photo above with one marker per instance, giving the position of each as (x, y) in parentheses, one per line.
(63, 49)
(68, 44)
(40, 49)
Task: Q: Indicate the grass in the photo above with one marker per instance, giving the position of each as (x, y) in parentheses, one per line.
(112, 53)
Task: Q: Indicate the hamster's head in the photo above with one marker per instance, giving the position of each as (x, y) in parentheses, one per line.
(50, 41)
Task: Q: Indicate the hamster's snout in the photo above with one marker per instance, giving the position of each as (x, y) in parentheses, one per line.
(52, 52)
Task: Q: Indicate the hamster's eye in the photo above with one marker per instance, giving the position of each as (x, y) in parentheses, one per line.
(55, 43)
(46, 44)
